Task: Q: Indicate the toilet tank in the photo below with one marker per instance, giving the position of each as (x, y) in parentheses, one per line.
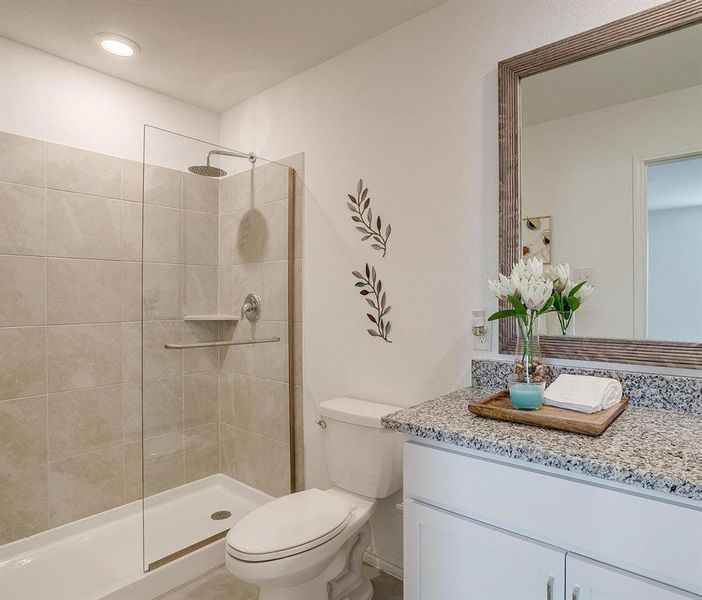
(363, 457)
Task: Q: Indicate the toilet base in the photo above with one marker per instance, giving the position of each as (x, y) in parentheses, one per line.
(341, 579)
(351, 583)
(362, 591)
(316, 590)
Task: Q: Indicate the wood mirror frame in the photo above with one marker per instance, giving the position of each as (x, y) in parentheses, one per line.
(635, 28)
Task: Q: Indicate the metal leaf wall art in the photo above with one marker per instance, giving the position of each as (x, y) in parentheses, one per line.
(363, 217)
(371, 288)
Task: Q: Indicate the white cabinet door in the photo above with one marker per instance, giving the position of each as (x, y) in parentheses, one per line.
(448, 557)
(590, 580)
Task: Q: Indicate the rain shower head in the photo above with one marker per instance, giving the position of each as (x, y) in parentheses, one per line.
(209, 171)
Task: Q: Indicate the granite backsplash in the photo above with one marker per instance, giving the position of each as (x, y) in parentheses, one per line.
(648, 390)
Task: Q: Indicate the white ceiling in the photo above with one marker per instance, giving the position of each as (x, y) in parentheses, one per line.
(211, 53)
(655, 66)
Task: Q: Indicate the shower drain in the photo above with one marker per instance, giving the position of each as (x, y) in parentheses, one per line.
(220, 515)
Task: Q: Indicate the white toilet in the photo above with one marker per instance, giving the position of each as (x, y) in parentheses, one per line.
(309, 545)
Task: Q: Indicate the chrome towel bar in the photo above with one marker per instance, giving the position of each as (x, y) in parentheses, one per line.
(215, 344)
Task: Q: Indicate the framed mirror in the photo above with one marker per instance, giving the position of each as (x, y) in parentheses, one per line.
(601, 167)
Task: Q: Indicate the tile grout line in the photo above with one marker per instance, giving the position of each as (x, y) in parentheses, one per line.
(81, 323)
(115, 260)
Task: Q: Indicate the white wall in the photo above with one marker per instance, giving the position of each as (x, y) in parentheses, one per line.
(48, 98)
(413, 112)
(579, 169)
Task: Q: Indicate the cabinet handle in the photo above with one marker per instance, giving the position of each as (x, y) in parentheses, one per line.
(549, 588)
(576, 593)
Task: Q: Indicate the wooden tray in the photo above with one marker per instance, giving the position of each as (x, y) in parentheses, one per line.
(498, 406)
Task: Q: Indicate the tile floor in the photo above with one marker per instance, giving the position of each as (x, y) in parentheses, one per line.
(221, 585)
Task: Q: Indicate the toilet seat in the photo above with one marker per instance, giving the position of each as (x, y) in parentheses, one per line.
(289, 525)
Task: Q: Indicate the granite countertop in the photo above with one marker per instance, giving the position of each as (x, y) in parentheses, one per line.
(648, 448)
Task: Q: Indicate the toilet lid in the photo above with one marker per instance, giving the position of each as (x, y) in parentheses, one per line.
(289, 525)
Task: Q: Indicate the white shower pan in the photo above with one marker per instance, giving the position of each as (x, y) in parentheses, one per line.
(100, 557)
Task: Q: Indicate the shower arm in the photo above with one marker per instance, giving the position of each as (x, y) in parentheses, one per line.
(250, 156)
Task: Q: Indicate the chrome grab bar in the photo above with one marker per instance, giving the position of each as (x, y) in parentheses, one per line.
(215, 344)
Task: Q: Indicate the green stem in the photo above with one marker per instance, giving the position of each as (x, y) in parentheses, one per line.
(564, 320)
(526, 325)
(529, 349)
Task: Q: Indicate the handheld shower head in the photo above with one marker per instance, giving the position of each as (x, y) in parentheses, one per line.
(209, 171)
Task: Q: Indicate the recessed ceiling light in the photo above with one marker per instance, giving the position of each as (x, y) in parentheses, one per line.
(117, 44)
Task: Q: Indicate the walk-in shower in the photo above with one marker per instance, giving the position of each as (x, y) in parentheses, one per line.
(145, 413)
(235, 363)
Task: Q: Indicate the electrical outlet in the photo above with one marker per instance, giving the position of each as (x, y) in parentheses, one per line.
(584, 275)
(484, 342)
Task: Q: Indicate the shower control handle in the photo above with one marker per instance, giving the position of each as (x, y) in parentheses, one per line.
(251, 309)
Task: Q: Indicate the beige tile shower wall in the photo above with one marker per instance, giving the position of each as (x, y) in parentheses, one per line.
(70, 332)
(254, 380)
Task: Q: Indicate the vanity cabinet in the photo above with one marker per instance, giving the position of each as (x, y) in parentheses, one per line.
(589, 580)
(452, 557)
(482, 527)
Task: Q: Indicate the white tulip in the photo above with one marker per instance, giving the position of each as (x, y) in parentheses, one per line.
(519, 270)
(516, 283)
(583, 293)
(560, 274)
(536, 292)
(534, 267)
(502, 286)
(519, 284)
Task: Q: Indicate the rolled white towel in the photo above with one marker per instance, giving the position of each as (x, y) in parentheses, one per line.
(583, 393)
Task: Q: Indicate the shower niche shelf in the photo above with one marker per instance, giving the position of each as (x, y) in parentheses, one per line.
(211, 318)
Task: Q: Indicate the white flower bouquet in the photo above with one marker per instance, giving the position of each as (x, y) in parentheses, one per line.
(568, 295)
(533, 290)
(529, 290)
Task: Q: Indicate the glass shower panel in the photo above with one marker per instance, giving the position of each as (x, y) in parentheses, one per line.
(216, 401)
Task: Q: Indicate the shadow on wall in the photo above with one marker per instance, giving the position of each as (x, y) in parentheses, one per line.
(252, 236)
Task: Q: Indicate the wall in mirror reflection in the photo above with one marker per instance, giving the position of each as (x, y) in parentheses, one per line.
(612, 151)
